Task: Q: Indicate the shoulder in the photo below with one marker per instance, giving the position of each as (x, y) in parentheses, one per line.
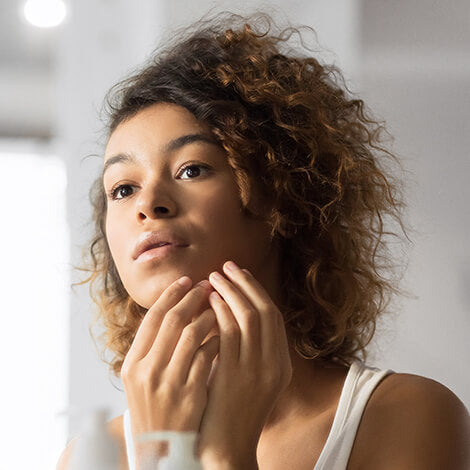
(115, 429)
(66, 456)
(413, 422)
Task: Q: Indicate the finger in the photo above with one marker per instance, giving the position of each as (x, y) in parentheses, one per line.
(174, 321)
(190, 341)
(243, 311)
(202, 362)
(267, 311)
(251, 287)
(151, 323)
(229, 331)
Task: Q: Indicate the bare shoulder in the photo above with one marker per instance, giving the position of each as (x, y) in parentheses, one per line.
(66, 456)
(414, 422)
(115, 429)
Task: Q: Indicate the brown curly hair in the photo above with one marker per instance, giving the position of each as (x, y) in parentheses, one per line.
(292, 130)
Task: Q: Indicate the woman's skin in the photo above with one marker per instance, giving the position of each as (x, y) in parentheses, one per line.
(245, 421)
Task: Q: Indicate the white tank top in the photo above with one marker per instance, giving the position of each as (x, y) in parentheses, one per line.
(360, 382)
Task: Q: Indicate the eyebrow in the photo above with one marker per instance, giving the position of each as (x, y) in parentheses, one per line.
(171, 146)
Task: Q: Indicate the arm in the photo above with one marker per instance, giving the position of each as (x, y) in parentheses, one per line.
(420, 425)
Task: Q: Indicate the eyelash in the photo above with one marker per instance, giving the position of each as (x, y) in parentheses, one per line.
(114, 190)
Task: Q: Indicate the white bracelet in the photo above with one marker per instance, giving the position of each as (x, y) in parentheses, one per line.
(187, 436)
(181, 452)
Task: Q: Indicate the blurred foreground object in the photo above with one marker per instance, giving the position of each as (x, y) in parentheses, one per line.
(181, 450)
(96, 449)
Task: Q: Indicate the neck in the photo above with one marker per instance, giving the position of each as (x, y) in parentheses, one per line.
(315, 387)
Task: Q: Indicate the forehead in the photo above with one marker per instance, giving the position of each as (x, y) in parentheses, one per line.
(154, 127)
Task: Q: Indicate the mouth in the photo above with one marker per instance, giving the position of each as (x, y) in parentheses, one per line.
(159, 251)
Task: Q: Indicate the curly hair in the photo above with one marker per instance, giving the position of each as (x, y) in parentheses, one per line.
(292, 130)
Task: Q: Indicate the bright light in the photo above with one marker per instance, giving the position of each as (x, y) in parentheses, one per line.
(35, 280)
(45, 13)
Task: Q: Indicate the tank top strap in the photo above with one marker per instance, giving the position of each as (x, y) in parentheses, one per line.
(359, 384)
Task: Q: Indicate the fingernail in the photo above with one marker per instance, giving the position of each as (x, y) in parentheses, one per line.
(214, 296)
(204, 283)
(231, 265)
(185, 281)
(216, 276)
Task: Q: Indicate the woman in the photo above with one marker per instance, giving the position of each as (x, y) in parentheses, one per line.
(228, 154)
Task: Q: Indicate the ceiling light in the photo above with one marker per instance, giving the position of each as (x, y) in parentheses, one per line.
(44, 13)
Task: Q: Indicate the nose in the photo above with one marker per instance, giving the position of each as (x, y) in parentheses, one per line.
(153, 204)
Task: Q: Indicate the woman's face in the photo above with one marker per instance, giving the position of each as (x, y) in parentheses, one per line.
(200, 204)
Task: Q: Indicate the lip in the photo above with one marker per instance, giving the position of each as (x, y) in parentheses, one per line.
(148, 241)
(158, 252)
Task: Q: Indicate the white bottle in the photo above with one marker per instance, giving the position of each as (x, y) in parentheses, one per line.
(181, 446)
(95, 449)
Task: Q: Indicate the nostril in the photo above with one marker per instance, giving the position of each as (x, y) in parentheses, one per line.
(161, 209)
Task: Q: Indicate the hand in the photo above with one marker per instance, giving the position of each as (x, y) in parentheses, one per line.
(166, 370)
(252, 369)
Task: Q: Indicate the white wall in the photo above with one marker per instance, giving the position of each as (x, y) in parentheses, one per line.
(103, 40)
(415, 72)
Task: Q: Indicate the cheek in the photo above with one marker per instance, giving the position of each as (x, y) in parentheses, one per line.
(228, 225)
(222, 211)
(114, 237)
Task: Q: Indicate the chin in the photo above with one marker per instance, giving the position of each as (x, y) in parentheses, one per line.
(155, 285)
(149, 299)
(153, 290)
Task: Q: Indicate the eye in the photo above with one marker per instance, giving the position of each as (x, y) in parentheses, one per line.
(195, 170)
(114, 191)
(191, 166)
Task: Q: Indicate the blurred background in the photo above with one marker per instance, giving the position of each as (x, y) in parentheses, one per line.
(408, 59)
